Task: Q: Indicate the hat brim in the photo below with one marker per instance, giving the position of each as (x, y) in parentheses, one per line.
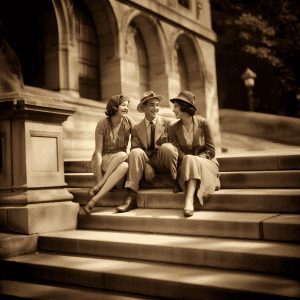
(141, 104)
(183, 100)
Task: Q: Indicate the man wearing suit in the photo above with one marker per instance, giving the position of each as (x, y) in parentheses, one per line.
(150, 150)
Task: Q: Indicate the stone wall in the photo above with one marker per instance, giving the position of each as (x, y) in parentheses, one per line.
(139, 45)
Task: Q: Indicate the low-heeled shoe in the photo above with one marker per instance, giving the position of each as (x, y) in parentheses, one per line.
(188, 212)
(130, 203)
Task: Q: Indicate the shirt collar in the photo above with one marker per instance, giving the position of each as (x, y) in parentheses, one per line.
(147, 122)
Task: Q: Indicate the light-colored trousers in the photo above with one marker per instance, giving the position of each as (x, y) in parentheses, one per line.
(164, 161)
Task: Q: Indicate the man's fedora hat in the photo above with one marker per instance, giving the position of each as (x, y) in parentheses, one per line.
(187, 97)
(146, 97)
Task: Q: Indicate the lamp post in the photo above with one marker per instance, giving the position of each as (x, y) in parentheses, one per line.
(249, 80)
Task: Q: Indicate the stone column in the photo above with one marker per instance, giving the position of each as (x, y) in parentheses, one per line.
(33, 194)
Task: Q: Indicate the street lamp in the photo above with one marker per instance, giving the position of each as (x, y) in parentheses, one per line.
(248, 76)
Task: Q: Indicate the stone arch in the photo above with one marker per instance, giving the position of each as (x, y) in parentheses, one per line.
(88, 53)
(144, 49)
(73, 79)
(108, 46)
(30, 28)
(189, 64)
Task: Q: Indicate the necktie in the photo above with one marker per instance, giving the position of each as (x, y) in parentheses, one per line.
(152, 133)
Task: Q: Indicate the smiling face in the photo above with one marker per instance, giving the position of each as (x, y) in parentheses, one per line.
(122, 109)
(177, 110)
(151, 109)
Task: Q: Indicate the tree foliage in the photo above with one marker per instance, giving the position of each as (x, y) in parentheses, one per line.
(264, 35)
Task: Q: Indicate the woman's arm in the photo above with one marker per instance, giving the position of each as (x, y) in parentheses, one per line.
(209, 151)
(131, 125)
(98, 155)
(173, 139)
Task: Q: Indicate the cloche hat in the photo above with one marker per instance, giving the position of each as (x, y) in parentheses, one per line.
(187, 97)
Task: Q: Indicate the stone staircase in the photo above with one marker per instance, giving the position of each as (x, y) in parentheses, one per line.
(244, 243)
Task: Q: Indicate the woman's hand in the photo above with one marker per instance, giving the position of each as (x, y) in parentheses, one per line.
(204, 155)
(149, 173)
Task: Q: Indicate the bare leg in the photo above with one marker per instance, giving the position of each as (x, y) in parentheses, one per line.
(115, 177)
(114, 163)
(118, 159)
(189, 198)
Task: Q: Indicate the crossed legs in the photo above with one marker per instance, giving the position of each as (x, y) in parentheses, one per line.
(116, 170)
(115, 161)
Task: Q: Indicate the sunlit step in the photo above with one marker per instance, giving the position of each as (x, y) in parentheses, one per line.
(264, 226)
(251, 200)
(247, 255)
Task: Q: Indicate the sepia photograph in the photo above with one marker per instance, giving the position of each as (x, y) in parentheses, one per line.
(150, 149)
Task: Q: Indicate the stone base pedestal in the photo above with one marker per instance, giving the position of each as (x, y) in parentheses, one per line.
(33, 194)
(39, 218)
(12, 244)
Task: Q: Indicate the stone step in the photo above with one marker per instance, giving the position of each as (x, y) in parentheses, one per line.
(244, 255)
(229, 180)
(12, 244)
(260, 226)
(251, 200)
(260, 179)
(242, 162)
(259, 162)
(12, 289)
(152, 278)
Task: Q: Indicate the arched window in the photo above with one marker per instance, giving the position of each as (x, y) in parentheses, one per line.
(143, 63)
(137, 65)
(190, 70)
(182, 70)
(88, 54)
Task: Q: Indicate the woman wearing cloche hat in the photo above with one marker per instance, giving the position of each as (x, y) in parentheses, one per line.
(198, 168)
(111, 140)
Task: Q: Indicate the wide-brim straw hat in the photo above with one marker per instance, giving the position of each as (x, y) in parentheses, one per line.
(187, 97)
(146, 97)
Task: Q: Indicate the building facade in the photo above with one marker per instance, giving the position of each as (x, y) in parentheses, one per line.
(84, 51)
(75, 54)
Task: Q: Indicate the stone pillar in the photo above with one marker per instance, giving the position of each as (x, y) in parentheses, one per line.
(33, 194)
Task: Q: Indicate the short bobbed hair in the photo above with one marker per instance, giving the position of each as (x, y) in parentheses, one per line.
(113, 104)
(185, 107)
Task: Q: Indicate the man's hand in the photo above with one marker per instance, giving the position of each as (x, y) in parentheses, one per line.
(163, 139)
(149, 173)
